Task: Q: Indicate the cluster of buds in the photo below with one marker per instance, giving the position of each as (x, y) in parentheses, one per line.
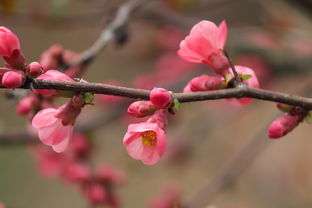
(205, 44)
(97, 184)
(146, 141)
(291, 119)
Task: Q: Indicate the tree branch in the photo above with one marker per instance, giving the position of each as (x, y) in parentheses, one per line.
(240, 92)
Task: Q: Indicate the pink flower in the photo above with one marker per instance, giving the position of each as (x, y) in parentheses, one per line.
(77, 172)
(96, 194)
(109, 175)
(145, 142)
(13, 79)
(51, 57)
(250, 82)
(55, 126)
(205, 44)
(8, 42)
(27, 104)
(2, 205)
(141, 109)
(53, 75)
(283, 125)
(160, 97)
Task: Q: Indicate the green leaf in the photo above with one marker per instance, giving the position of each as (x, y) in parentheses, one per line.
(308, 118)
(228, 78)
(177, 104)
(246, 76)
(88, 96)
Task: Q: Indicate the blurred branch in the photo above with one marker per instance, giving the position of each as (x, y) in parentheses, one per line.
(111, 31)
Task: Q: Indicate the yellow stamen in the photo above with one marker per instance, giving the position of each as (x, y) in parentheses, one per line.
(149, 138)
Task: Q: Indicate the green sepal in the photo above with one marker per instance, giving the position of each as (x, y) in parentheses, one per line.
(177, 104)
(308, 118)
(246, 76)
(88, 97)
(228, 78)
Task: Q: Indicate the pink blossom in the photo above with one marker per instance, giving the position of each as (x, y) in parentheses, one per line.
(108, 174)
(205, 44)
(2, 205)
(205, 83)
(169, 37)
(53, 75)
(96, 194)
(27, 104)
(9, 42)
(145, 142)
(34, 69)
(80, 144)
(51, 57)
(250, 82)
(169, 198)
(13, 79)
(160, 97)
(283, 125)
(141, 108)
(77, 172)
(54, 128)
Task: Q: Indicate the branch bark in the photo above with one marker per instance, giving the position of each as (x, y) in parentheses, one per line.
(239, 92)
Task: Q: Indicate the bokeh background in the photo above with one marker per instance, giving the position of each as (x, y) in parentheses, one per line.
(273, 37)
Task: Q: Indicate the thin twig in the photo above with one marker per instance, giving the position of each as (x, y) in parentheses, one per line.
(238, 81)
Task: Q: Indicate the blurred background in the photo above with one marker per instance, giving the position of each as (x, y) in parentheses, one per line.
(213, 145)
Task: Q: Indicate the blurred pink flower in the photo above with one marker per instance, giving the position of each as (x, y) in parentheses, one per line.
(283, 125)
(169, 198)
(9, 42)
(110, 175)
(145, 142)
(95, 193)
(169, 37)
(27, 104)
(77, 173)
(205, 44)
(52, 75)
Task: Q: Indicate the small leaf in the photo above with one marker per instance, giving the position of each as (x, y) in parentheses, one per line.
(88, 96)
(228, 78)
(308, 118)
(246, 76)
(177, 104)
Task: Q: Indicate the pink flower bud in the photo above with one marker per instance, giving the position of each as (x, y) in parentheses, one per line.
(205, 44)
(95, 194)
(34, 69)
(141, 109)
(8, 42)
(160, 97)
(77, 173)
(205, 83)
(26, 105)
(283, 125)
(13, 79)
(80, 144)
(108, 174)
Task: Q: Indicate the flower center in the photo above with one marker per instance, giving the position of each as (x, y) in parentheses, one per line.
(149, 138)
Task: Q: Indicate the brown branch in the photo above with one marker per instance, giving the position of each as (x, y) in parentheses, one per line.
(240, 92)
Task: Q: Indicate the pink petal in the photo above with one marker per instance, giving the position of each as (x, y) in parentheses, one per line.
(135, 149)
(44, 118)
(222, 34)
(61, 147)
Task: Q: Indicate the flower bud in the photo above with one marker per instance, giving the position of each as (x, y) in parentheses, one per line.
(13, 79)
(34, 69)
(77, 173)
(283, 125)
(160, 97)
(205, 83)
(26, 105)
(96, 194)
(141, 109)
(8, 42)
